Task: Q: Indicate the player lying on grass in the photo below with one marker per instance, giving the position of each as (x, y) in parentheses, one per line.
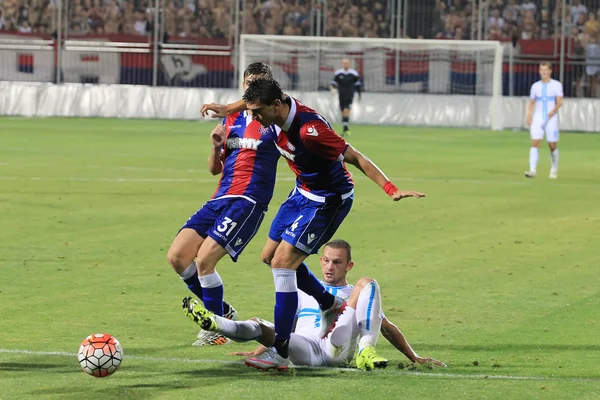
(357, 328)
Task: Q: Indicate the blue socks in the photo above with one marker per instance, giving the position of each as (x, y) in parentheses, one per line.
(212, 293)
(309, 284)
(190, 277)
(286, 305)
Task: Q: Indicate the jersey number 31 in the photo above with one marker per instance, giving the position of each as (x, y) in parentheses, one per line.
(226, 225)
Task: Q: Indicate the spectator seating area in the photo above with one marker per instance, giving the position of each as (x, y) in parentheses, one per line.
(198, 18)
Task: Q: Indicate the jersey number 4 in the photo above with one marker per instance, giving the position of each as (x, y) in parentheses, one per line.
(226, 225)
(295, 224)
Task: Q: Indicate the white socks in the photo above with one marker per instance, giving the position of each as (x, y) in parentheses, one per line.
(368, 315)
(534, 155)
(211, 281)
(554, 159)
(189, 271)
(285, 280)
(533, 158)
(240, 331)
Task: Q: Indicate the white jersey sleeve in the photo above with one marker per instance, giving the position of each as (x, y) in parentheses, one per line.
(558, 89)
(532, 95)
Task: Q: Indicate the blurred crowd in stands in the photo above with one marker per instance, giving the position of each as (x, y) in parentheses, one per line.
(199, 18)
(506, 20)
(448, 19)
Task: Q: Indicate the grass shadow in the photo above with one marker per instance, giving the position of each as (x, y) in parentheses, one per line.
(25, 367)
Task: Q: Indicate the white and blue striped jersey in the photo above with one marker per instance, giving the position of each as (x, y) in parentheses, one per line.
(309, 314)
(545, 95)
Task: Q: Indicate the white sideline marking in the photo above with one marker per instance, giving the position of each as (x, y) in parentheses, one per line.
(120, 168)
(395, 372)
(281, 178)
(83, 153)
(128, 180)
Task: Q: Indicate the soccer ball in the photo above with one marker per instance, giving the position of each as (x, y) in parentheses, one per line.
(100, 355)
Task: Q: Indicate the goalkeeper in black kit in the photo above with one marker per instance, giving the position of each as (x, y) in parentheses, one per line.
(346, 81)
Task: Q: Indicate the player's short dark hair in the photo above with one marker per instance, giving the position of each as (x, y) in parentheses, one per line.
(263, 91)
(341, 244)
(259, 69)
(547, 64)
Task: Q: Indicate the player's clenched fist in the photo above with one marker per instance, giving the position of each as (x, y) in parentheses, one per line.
(218, 135)
(401, 194)
(220, 111)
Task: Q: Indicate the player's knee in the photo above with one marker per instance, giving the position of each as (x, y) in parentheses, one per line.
(205, 266)
(266, 257)
(176, 260)
(364, 281)
(283, 262)
(278, 262)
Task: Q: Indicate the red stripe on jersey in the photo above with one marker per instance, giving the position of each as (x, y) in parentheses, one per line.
(320, 139)
(223, 156)
(229, 121)
(218, 185)
(244, 164)
(297, 172)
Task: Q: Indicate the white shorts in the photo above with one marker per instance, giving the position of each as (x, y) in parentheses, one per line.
(538, 129)
(336, 349)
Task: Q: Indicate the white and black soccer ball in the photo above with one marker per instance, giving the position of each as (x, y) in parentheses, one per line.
(100, 355)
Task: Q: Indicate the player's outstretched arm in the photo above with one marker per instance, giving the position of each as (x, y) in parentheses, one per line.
(221, 110)
(372, 171)
(397, 339)
(215, 161)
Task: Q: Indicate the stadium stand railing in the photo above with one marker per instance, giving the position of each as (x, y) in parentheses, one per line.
(194, 43)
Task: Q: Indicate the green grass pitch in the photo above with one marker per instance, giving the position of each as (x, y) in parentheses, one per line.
(494, 274)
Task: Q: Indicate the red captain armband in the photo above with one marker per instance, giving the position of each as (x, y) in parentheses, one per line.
(389, 188)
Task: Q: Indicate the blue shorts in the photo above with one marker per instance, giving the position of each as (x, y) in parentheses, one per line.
(231, 221)
(308, 224)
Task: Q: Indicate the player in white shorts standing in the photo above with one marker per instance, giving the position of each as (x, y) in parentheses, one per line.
(357, 328)
(542, 115)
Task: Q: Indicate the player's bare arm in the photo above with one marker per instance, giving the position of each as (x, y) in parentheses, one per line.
(397, 339)
(559, 103)
(256, 352)
(265, 341)
(215, 161)
(372, 171)
(530, 108)
(222, 110)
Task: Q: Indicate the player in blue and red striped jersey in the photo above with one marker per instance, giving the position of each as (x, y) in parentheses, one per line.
(245, 155)
(316, 207)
